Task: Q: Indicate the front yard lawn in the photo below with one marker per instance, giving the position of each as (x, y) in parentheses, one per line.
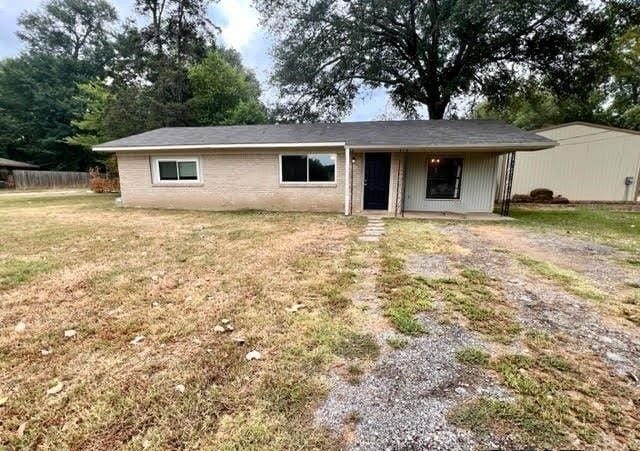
(111, 275)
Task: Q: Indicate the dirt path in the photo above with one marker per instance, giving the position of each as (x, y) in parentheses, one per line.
(402, 402)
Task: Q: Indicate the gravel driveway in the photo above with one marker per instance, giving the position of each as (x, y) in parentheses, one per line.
(402, 403)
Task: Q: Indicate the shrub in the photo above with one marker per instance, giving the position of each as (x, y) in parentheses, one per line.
(101, 184)
(521, 198)
(541, 195)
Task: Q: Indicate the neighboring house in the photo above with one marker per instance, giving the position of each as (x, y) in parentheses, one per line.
(395, 166)
(591, 163)
(6, 169)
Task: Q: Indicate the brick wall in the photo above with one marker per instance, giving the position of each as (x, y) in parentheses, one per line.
(231, 180)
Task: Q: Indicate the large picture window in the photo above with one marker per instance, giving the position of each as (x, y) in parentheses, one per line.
(168, 170)
(308, 168)
(444, 176)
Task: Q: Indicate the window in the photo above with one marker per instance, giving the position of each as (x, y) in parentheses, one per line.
(311, 168)
(443, 178)
(176, 170)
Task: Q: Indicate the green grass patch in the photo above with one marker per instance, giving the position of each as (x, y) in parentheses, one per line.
(405, 296)
(473, 356)
(356, 345)
(397, 342)
(568, 280)
(616, 228)
(472, 296)
(16, 271)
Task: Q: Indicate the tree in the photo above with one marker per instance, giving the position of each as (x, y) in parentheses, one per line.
(624, 85)
(424, 52)
(36, 108)
(154, 57)
(224, 92)
(76, 29)
(596, 79)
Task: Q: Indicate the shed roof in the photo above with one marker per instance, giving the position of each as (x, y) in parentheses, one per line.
(5, 162)
(397, 134)
(588, 124)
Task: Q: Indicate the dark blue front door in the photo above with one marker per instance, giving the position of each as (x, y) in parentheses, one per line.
(377, 169)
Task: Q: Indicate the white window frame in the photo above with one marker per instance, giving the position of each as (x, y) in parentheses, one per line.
(309, 154)
(155, 165)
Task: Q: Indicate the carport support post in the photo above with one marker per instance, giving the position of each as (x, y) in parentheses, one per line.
(347, 181)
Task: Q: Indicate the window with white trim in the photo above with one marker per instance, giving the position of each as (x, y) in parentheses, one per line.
(308, 168)
(176, 170)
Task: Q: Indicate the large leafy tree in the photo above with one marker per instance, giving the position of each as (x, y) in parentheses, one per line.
(222, 91)
(625, 82)
(77, 29)
(154, 56)
(67, 43)
(36, 109)
(423, 52)
(597, 79)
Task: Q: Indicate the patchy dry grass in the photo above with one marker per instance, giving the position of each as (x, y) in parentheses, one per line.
(112, 274)
(473, 356)
(569, 280)
(478, 303)
(562, 398)
(405, 296)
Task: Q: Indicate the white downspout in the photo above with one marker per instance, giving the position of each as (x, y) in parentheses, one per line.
(347, 181)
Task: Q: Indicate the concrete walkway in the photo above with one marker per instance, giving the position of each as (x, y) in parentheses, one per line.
(373, 231)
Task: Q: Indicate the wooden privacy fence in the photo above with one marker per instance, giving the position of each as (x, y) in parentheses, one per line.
(50, 179)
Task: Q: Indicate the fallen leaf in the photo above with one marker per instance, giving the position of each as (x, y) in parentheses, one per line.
(137, 340)
(3, 400)
(253, 355)
(21, 428)
(146, 444)
(180, 388)
(55, 389)
(69, 333)
(20, 327)
(225, 321)
(219, 329)
(45, 351)
(229, 327)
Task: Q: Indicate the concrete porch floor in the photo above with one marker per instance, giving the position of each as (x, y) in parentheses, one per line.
(433, 215)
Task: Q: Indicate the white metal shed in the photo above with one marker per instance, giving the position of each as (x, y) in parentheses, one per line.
(590, 163)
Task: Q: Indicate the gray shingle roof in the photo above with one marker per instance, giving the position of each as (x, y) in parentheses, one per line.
(442, 133)
(5, 162)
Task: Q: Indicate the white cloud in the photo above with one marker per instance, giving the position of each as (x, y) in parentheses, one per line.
(242, 22)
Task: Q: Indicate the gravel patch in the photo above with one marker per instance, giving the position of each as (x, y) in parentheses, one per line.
(597, 262)
(434, 266)
(403, 402)
(541, 305)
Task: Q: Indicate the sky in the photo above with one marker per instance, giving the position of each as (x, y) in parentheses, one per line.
(240, 29)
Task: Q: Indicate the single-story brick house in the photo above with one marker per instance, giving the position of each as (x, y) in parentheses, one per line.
(389, 166)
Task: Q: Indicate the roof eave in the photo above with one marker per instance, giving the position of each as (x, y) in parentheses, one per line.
(489, 147)
(104, 148)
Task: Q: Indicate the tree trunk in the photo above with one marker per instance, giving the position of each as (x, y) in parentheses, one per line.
(437, 109)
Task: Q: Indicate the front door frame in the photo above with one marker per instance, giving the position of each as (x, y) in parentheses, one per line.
(364, 181)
